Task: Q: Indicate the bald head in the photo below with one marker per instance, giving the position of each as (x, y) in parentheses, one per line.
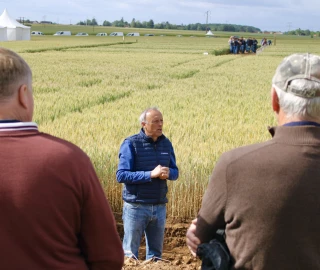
(14, 72)
(16, 97)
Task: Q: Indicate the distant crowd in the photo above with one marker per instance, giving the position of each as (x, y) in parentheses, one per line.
(241, 45)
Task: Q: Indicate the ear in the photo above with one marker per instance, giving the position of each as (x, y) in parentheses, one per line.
(143, 124)
(23, 96)
(275, 101)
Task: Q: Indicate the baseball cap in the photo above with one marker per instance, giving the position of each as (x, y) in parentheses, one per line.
(298, 66)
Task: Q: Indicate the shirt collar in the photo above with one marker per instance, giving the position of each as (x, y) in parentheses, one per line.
(15, 125)
(302, 123)
(9, 121)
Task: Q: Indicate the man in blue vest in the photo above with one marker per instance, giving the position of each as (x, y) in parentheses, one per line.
(146, 162)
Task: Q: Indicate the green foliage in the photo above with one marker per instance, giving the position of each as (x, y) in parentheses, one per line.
(88, 22)
(166, 25)
(222, 51)
(120, 23)
(106, 23)
(299, 32)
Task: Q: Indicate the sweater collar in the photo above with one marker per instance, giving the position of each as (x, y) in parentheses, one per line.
(305, 134)
(15, 125)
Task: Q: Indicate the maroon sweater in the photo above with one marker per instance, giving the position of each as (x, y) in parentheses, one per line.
(267, 197)
(54, 214)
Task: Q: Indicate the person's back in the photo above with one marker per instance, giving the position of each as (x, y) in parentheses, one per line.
(266, 196)
(46, 187)
(271, 205)
(54, 213)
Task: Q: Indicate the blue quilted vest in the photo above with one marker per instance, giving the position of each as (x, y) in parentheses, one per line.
(148, 155)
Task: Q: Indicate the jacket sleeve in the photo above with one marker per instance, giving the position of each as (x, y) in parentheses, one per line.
(174, 171)
(125, 173)
(99, 240)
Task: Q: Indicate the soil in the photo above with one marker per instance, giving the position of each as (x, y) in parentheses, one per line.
(176, 254)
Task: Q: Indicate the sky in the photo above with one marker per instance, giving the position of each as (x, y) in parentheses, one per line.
(271, 15)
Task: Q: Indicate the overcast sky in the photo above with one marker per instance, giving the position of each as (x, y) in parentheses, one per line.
(272, 15)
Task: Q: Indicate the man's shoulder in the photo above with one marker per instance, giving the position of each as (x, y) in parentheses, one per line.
(246, 151)
(133, 137)
(166, 139)
(59, 146)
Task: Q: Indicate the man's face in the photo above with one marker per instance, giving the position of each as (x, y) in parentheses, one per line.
(153, 124)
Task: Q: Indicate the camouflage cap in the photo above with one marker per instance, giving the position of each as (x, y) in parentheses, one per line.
(298, 66)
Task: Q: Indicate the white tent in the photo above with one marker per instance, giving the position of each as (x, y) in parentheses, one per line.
(209, 34)
(3, 33)
(15, 30)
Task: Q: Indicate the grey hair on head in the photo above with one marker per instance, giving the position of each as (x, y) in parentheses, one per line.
(143, 115)
(305, 108)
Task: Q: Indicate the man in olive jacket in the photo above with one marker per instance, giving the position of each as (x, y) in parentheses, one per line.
(266, 196)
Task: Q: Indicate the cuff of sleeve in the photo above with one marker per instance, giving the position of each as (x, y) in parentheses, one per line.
(147, 176)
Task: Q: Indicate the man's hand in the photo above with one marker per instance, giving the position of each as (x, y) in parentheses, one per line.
(164, 173)
(155, 173)
(160, 172)
(192, 240)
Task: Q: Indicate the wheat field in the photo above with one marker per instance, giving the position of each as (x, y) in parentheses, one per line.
(91, 91)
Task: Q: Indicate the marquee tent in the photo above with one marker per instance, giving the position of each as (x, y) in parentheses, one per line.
(15, 30)
(3, 33)
(209, 34)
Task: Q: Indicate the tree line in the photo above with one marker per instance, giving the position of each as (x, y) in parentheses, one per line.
(166, 25)
(299, 32)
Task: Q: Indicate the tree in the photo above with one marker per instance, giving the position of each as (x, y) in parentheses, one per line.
(138, 24)
(118, 23)
(298, 32)
(94, 22)
(150, 24)
(122, 22)
(107, 23)
(133, 23)
(160, 25)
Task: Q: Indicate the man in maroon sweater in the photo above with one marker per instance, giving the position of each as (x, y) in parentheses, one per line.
(266, 196)
(54, 213)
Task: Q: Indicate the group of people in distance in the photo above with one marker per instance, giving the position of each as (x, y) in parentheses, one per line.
(242, 45)
(265, 42)
(263, 197)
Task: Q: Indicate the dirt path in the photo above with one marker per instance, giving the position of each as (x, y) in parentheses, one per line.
(175, 255)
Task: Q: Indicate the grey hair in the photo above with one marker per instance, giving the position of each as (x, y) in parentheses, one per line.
(143, 115)
(304, 108)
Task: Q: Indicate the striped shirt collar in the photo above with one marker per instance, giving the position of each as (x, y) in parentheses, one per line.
(14, 125)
